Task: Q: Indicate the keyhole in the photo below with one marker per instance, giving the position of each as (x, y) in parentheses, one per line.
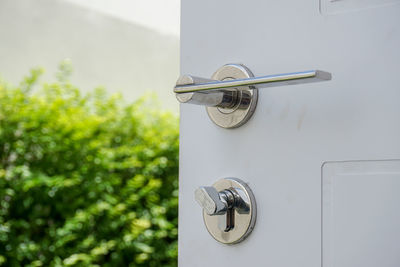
(227, 220)
(230, 220)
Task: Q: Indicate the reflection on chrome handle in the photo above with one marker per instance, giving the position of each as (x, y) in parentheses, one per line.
(231, 95)
(201, 91)
(191, 84)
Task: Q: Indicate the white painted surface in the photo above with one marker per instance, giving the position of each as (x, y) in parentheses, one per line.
(340, 6)
(361, 213)
(295, 129)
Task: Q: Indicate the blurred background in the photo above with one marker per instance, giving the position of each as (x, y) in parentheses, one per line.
(127, 46)
(88, 132)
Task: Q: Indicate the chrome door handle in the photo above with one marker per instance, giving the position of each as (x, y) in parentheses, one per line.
(233, 88)
(191, 84)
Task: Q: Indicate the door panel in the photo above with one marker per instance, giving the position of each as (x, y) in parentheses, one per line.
(295, 129)
(360, 213)
(339, 6)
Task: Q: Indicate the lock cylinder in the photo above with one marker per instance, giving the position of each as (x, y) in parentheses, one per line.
(229, 209)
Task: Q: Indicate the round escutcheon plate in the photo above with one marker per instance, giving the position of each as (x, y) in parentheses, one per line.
(244, 222)
(247, 98)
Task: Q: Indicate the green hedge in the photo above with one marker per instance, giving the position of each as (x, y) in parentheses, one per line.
(85, 180)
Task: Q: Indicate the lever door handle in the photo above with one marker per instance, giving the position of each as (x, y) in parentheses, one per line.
(234, 90)
(192, 84)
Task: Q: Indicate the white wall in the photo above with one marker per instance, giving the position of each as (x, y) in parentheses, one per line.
(160, 15)
(106, 51)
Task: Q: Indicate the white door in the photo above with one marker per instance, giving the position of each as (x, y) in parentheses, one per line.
(322, 159)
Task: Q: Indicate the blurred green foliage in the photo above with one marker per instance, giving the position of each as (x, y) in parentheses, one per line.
(85, 180)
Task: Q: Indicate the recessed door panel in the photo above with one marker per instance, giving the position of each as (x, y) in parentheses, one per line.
(361, 214)
(339, 6)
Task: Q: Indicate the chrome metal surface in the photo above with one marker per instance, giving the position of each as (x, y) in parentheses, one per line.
(263, 81)
(246, 99)
(229, 209)
(213, 203)
(222, 99)
(231, 96)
